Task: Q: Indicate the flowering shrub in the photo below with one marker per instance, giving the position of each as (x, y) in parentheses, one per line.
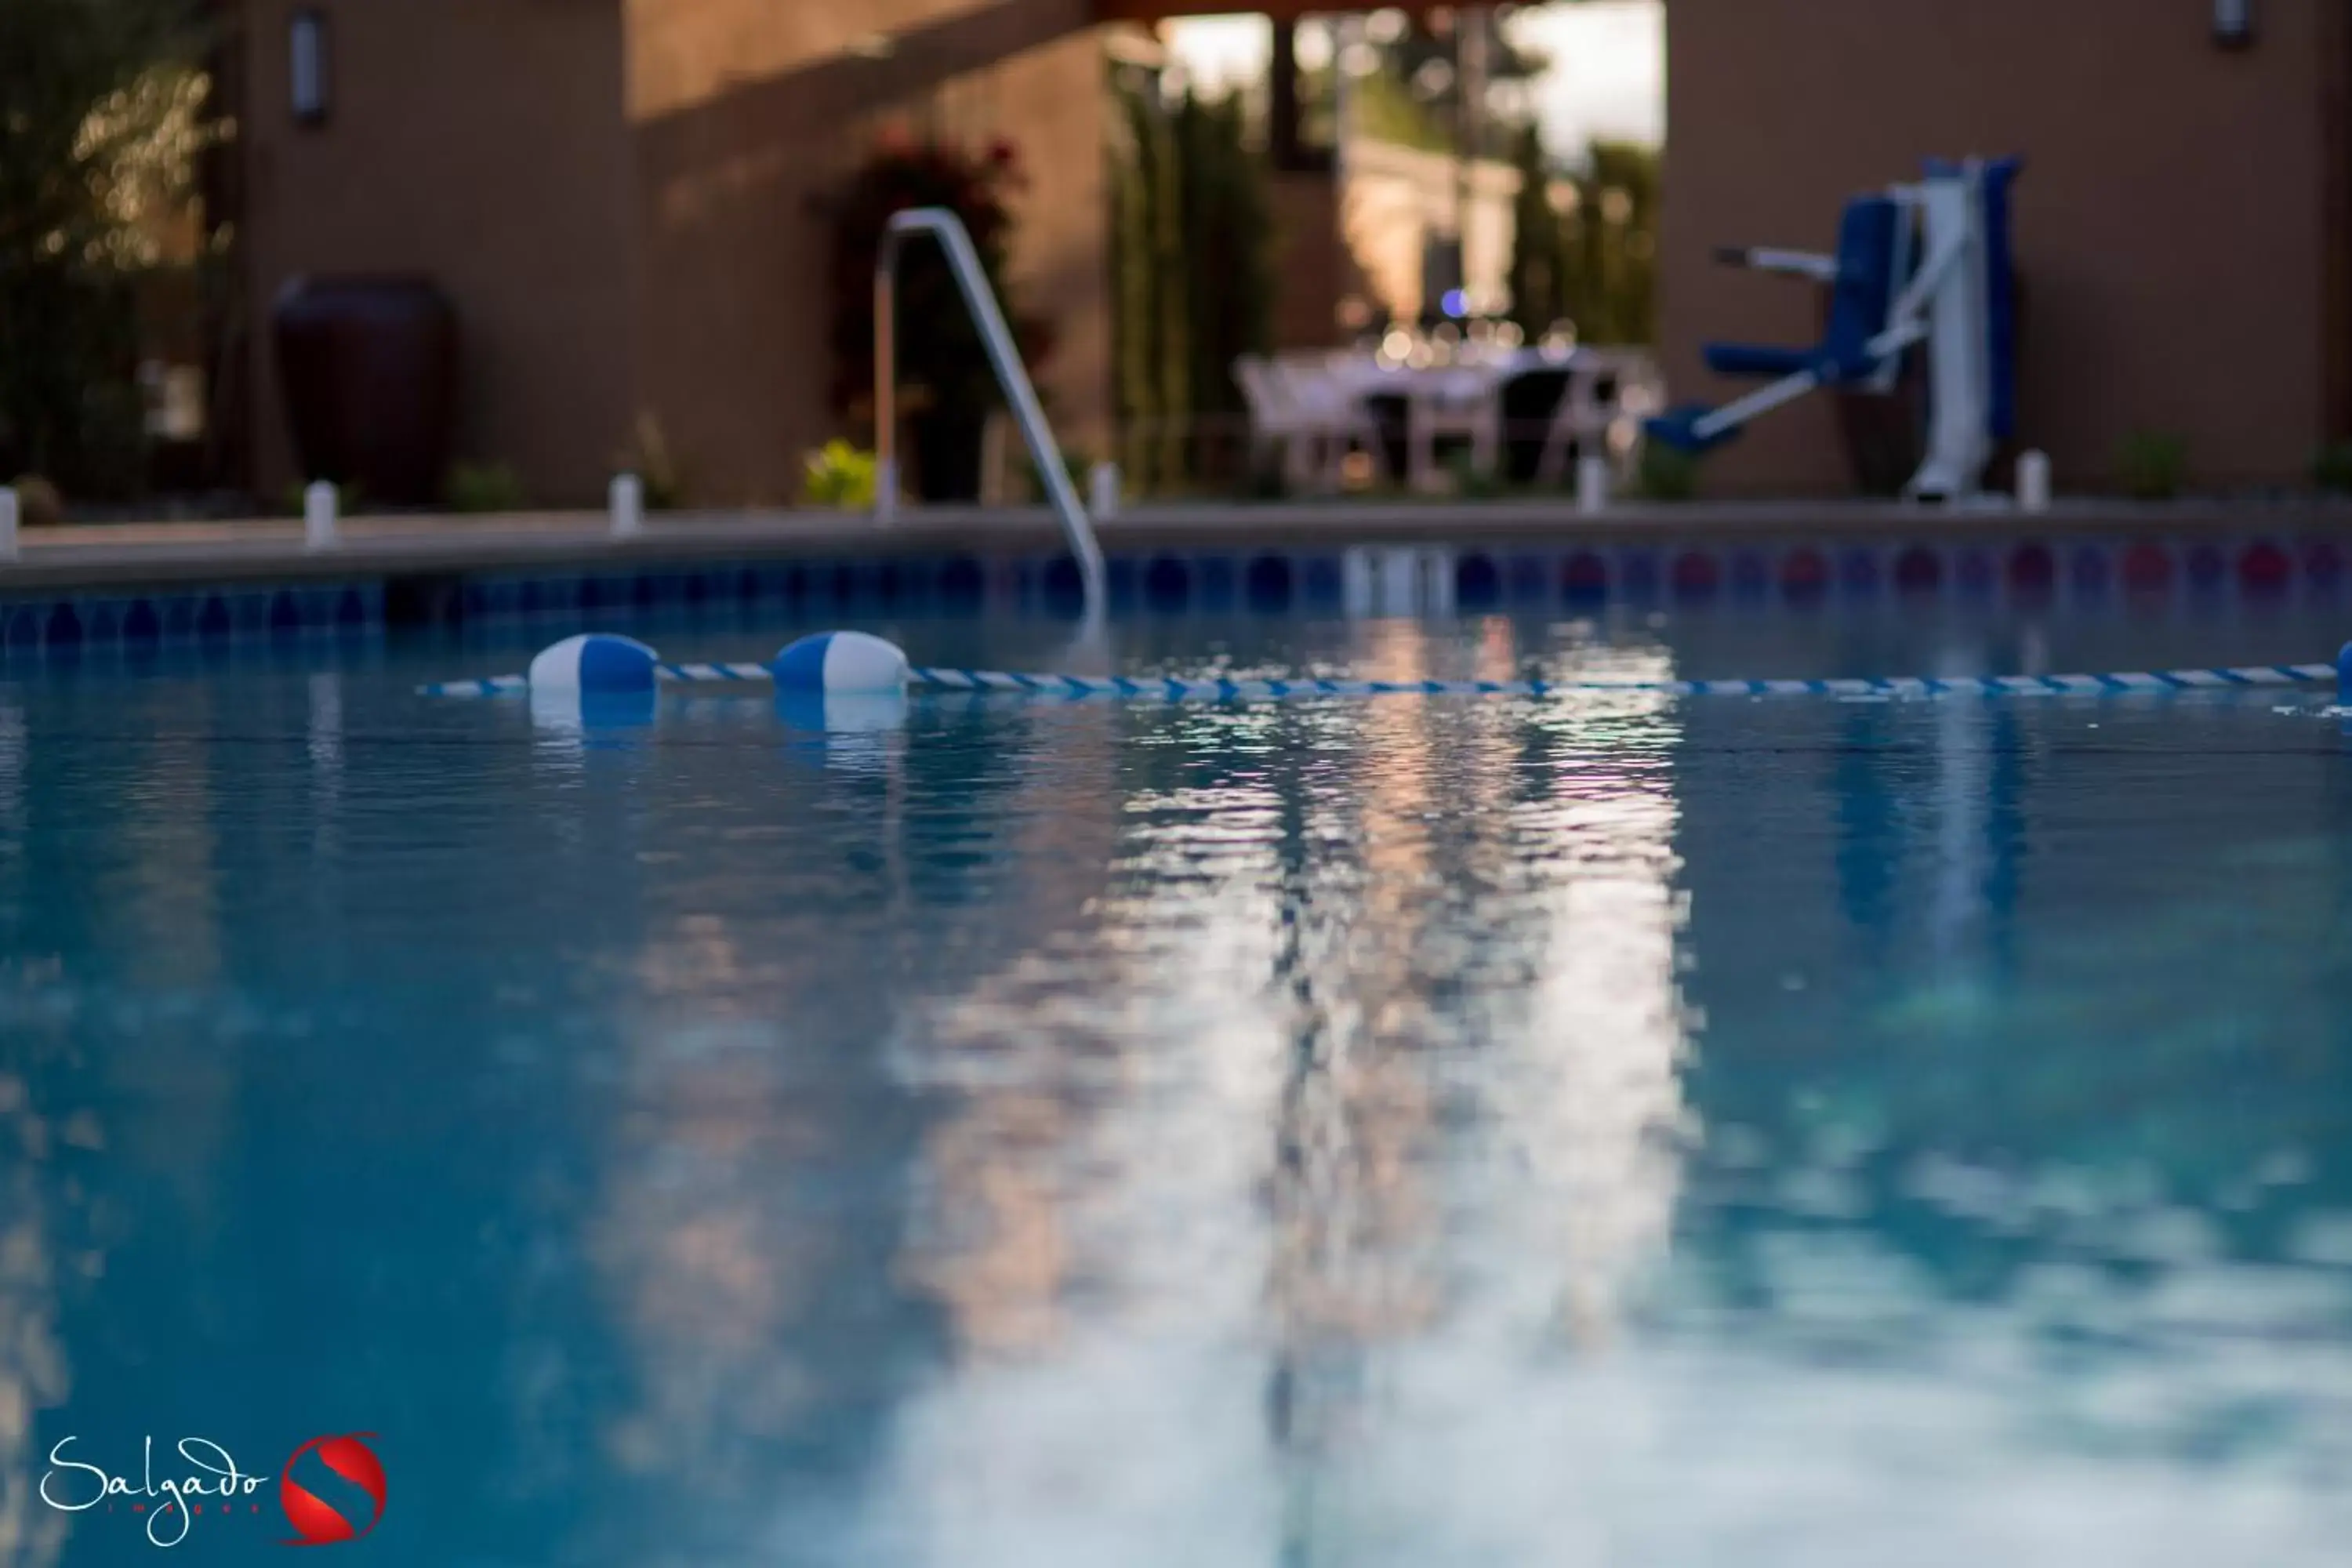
(840, 475)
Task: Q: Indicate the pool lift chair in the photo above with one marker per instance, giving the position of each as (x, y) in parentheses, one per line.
(1926, 265)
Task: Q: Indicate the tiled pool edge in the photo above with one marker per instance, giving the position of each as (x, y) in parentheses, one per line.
(1237, 559)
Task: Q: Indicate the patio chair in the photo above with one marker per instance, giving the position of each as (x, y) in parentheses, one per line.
(1307, 417)
(1278, 427)
(1581, 418)
(1334, 411)
(1957, 300)
(1466, 403)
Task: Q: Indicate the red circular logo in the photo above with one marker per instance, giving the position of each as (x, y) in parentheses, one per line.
(317, 1523)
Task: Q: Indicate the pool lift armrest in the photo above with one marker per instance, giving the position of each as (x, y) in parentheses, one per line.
(1788, 263)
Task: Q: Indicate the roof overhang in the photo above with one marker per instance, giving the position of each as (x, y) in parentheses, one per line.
(1278, 10)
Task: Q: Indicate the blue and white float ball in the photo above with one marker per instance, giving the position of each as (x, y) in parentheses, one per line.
(841, 663)
(581, 715)
(594, 664)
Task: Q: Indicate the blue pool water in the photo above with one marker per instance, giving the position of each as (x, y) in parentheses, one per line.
(1596, 1131)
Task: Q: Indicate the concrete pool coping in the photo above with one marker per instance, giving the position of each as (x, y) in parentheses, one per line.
(87, 556)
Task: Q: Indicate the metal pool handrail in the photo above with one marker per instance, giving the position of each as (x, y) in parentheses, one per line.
(1044, 452)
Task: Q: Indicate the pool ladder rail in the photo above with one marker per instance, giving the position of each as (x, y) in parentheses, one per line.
(1011, 377)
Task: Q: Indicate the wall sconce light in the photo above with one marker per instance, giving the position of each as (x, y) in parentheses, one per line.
(2233, 23)
(306, 63)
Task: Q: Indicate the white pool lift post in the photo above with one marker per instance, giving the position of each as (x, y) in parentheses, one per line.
(1920, 265)
(1012, 376)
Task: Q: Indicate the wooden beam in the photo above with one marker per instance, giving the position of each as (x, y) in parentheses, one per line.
(1279, 10)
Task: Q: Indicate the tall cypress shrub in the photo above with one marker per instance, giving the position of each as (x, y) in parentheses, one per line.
(1192, 275)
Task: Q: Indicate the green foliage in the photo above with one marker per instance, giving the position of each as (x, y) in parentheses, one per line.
(1666, 473)
(1410, 61)
(1540, 262)
(839, 474)
(479, 488)
(1473, 483)
(1074, 469)
(2152, 465)
(2331, 469)
(1383, 109)
(1170, 298)
(1227, 249)
(1595, 264)
(1613, 275)
(1137, 291)
(103, 116)
(1192, 269)
(659, 478)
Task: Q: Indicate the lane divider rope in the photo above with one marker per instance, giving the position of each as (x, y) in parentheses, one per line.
(1223, 690)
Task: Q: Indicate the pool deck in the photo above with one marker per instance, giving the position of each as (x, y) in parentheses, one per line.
(160, 553)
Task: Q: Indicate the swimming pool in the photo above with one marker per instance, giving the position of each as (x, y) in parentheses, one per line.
(1594, 1130)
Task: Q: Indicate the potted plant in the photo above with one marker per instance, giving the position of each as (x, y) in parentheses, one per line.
(946, 387)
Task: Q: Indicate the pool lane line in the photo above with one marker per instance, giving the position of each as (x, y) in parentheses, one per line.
(2125, 683)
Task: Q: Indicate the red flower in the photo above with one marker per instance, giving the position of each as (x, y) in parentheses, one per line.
(1001, 154)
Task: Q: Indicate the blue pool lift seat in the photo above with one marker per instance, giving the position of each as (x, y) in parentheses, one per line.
(1861, 289)
(1927, 264)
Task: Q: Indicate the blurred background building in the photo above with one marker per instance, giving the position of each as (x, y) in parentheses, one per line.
(643, 218)
(633, 212)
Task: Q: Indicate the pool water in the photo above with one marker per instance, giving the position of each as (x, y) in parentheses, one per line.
(1601, 1130)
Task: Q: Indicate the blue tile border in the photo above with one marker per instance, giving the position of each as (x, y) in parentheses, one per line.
(2015, 565)
(72, 625)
